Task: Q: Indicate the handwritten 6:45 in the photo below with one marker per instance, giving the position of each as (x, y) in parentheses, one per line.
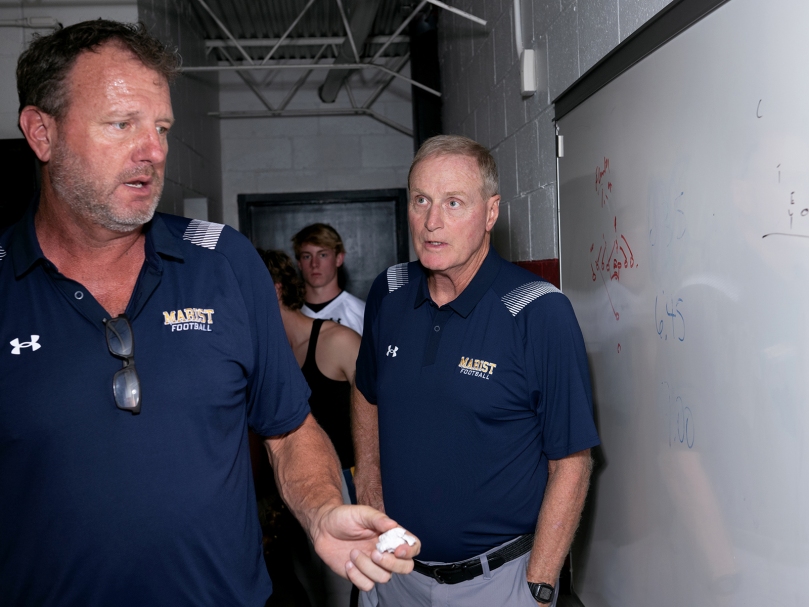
(672, 321)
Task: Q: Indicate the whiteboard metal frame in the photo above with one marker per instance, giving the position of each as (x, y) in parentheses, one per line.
(665, 25)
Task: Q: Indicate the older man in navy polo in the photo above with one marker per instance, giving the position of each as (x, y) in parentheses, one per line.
(136, 350)
(472, 409)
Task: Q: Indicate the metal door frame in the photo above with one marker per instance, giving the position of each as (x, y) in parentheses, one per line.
(248, 202)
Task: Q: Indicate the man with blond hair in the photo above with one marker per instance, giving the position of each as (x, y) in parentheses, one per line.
(320, 254)
(472, 413)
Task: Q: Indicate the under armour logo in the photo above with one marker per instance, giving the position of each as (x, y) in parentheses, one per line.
(392, 351)
(17, 346)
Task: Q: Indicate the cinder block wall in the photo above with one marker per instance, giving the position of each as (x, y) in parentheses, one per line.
(193, 169)
(320, 153)
(481, 85)
(14, 40)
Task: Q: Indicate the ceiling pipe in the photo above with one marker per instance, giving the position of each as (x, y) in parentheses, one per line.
(32, 23)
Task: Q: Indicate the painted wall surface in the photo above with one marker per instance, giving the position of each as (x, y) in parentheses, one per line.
(302, 154)
(194, 169)
(481, 82)
(14, 40)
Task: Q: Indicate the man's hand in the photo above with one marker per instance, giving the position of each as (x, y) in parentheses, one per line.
(345, 538)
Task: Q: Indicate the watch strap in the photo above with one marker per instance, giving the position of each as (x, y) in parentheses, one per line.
(542, 593)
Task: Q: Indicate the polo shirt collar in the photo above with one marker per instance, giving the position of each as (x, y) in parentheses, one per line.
(474, 291)
(160, 242)
(24, 246)
(25, 249)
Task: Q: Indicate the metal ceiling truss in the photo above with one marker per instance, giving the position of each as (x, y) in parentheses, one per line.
(346, 61)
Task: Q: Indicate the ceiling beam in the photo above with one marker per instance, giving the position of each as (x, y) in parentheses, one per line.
(249, 42)
(315, 112)
(305, 66)
(357, 31)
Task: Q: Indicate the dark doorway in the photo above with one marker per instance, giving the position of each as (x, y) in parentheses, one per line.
(20, 173)
(372, 224)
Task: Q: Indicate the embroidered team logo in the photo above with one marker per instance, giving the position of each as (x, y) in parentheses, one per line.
(392, 350)
(17, 345)
(477, 368)
(189, 319)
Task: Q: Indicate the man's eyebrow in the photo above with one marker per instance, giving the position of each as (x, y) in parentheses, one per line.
(452, 193)
(135, 113)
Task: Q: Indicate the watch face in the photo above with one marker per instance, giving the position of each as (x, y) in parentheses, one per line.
(541, 592)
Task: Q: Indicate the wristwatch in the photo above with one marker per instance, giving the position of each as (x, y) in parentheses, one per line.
(542, 593)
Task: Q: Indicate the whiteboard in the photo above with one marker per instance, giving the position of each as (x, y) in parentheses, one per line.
(684, 230)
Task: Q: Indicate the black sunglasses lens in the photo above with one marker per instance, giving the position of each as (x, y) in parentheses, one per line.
(126, 386)
(119, 336)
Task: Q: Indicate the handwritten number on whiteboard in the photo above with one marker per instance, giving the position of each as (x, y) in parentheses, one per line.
(660, 324)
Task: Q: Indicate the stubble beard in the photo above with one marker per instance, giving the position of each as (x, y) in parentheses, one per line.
(94, 200)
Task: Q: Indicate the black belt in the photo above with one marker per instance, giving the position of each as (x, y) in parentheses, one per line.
(454, 573)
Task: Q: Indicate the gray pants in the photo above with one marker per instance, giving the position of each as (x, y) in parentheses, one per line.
(506, 585)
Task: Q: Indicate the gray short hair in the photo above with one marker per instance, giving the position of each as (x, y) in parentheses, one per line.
(457, 145)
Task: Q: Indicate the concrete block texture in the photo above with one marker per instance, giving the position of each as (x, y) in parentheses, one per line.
(563, 51)
(504, 51)
(386, 151)
(598, 30)
(482, 124)
(506, 157)
(528, 159)
(544, 226)
(542, 13)
(332, 151)
(634, 13)
(256, 154)
(501, 233)
(497, 115)
(520, 222)
(515, 102)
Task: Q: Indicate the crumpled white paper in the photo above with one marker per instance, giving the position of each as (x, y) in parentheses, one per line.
(390, 540)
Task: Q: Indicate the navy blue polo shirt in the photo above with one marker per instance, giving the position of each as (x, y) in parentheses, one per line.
(102, 507)
(473, 399)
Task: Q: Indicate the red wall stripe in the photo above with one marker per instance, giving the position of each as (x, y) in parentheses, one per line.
(544, 268)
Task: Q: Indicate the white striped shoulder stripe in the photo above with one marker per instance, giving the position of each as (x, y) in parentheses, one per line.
(397, 276)
(520, 297)
(2, 253)
(203, 233)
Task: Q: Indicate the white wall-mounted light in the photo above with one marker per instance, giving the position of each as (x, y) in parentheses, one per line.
(528, 63)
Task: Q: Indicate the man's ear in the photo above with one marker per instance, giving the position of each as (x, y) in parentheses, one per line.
(493, 211)
(39, 129)
(340, 258)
